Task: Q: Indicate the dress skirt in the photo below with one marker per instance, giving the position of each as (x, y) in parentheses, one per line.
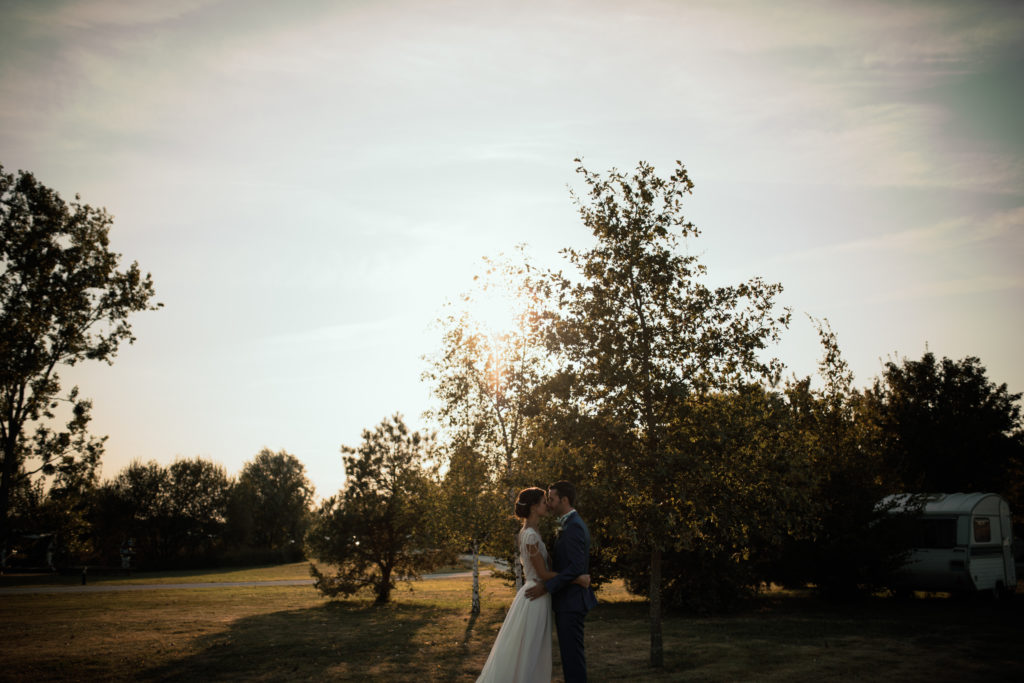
(522, 650)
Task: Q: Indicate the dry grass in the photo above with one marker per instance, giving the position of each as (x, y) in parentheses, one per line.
(289, 633)
(296, 570)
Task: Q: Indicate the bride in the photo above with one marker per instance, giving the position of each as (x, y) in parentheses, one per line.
(522, 650)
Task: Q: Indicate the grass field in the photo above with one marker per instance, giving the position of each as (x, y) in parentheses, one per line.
(289, 633)
(297, 570)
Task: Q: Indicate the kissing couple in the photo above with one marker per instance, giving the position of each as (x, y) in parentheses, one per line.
(522, 650)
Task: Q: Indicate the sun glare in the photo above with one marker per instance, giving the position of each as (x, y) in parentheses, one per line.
(495, 312)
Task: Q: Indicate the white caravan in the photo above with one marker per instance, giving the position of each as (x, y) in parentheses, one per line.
(963, 542)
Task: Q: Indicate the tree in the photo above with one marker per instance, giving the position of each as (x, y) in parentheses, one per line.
(271, 503)
(56, 509)
(174, 515)
(135, 505)
(485, 376)
(197, 494)
(377, 529)
(749, 479)
(62, 301)
(471, 509)
(853, 543)
(944, 426)
(642, 339)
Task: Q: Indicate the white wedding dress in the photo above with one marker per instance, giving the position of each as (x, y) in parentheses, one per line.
(522, 650)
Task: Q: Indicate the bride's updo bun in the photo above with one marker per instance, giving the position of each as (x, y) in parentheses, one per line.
(527, 499)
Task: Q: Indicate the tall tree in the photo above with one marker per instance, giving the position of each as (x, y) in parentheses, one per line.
(198, 498)
(136, 505)
(642, 338)
(854, 543)
(377, 530)
(944, 426)
(471, 509)
(485, 376)
(272, 502)
(63, 300)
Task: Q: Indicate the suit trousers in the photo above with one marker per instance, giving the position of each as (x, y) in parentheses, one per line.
(569, 626)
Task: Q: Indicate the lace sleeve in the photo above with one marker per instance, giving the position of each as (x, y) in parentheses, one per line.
(529, 543)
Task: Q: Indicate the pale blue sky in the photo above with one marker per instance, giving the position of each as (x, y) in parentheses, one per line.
(308, 182)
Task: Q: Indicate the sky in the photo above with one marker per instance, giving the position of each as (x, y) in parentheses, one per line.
(308, 183)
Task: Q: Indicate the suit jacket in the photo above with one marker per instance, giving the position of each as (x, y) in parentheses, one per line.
(571, 558)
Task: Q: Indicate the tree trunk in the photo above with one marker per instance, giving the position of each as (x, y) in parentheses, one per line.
(7, 471)
(654, 595)
(384, 587)
(475, 609)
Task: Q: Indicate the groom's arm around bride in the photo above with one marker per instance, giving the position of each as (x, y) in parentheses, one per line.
(571, 559)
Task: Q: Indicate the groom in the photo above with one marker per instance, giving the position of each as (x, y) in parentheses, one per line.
(570, 601)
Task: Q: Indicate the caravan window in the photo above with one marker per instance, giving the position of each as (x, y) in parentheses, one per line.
(982, 530)
(935, 533)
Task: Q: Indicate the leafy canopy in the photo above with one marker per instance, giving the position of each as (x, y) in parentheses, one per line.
(63, 300)
(378, 529)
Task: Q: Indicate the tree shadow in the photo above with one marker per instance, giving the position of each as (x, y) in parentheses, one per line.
(470, 625)
(335, 641)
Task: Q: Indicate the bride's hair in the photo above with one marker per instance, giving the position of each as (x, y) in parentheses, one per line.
(527, 499)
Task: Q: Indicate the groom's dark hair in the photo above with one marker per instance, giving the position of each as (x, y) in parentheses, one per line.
(565, 490)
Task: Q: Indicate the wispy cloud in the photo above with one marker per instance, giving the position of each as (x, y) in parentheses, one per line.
(980, 284)
(344, 336)
(841, 91)
(90, 14)
(884, 38)
(1003, 229)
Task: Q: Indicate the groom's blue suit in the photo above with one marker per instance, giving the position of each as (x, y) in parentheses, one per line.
(570, 601)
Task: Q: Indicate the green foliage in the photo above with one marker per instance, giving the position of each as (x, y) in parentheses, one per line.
(487, 371)
(62, 301)
(135, 505)
(378, 529)
(943, 426)
(698, 580)
(472, 511)
(175, 515)
(485, 378)
(473, 506)
(270, 504)
(643, 339)
(50, 524)
(749, 485)
(852, 544)
(198, 500)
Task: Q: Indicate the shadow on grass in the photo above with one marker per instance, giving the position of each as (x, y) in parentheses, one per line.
(785, 639)
(804, 639)
(468, 635)
(338, 640)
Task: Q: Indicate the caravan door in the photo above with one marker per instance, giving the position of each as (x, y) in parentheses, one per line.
(988, 569)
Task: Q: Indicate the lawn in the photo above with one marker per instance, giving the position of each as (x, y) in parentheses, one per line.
(289, 633)
(296, 570)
